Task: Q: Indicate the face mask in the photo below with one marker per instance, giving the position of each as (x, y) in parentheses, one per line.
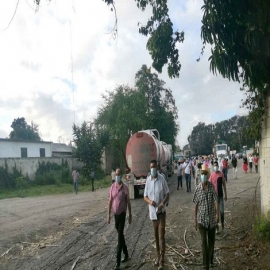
(153, 171)
(215, 168)
(118, 178)
(203, 177)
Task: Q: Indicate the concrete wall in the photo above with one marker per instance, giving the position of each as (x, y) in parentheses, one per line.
(264, 163)
(29, 166)
(12, 149)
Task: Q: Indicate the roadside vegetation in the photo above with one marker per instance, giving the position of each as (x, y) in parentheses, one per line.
(50, 179)
(262, 227)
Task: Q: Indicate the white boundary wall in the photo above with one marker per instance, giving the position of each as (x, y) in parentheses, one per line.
(264, 161)
(29, 166)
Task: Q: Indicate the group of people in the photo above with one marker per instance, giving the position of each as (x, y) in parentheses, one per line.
(186, 168)
(209, 196)
(249, 161)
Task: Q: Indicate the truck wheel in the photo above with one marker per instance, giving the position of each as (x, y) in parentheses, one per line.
(136, 192)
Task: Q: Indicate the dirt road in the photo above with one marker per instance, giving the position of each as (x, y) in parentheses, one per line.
(65, 231)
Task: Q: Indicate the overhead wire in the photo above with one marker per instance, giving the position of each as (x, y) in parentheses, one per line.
(15, 11)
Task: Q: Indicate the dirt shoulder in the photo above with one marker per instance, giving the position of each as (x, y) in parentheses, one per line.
(68, 231)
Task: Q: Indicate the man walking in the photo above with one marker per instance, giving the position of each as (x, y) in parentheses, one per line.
(256, 161)
(218, 180)
(92, 177)
(156, 194)
(234, 164)
(250, 162)
(119, 202)
(188, 171)
(225, 168)
(206, 216)
(75, 175)
(180, 173)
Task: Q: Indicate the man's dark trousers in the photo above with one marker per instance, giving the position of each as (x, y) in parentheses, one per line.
(208, 243)
(121, 246)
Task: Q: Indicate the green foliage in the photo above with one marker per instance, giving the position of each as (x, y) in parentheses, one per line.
(127, 110)
(8, 180)
(21, 183)
(262, 227)
(234, 131)
(239, 34)
(23, 131)
(34, 191)
(88, 139)
(49, 173)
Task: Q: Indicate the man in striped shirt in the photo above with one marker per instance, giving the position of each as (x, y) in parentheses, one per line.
(206, 216)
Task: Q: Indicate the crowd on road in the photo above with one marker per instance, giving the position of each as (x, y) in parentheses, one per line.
(209, 193)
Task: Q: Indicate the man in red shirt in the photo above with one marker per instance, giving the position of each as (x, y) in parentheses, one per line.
(119, 202)
(218, 180)
(225, 168)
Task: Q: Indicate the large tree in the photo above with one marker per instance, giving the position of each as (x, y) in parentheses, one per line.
(127, 110)
(23, 131)
(234, 131)
(159, 104)
(121, 115)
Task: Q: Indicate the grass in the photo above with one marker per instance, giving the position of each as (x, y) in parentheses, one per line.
(262, 227)
(38, 191)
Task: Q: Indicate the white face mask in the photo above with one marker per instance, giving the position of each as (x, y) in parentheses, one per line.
(215, 168)
(118, 178)
(204, 177)
(153, 171)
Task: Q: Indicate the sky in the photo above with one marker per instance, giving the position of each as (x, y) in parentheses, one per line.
(55, 64)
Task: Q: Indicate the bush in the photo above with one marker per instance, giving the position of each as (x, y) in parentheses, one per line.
(8, 180)
(21, 183)
(53, 174)
(262, 227)
(83, 180)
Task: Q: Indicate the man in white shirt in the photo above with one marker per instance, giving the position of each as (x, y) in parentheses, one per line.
(156, 194)
(250, 162)
(188, 171)
(180, 167)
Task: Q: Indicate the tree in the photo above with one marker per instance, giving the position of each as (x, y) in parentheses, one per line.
(88, 146)
(239, 34)
(159, 104)
(127, 110)
(121, 115)
(233, 131)
(23, 131)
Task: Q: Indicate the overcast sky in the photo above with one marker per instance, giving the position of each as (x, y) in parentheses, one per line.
(36, 66)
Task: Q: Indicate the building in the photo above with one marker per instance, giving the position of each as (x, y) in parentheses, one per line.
(24, 149)
(26, 155)
(61, 150)
(30, 149)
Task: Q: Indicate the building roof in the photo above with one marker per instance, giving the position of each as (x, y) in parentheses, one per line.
(61, 147)
(12, 140)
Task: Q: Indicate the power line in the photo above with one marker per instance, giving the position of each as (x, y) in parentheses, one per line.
(71, 56)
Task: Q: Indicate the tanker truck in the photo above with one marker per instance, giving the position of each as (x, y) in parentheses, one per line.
(142, 147)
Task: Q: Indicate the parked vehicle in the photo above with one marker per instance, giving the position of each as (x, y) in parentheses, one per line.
(221, 149)
(143, 147)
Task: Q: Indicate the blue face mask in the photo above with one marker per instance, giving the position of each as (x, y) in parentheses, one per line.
(203, 177)
(118, 178)
(153, 171)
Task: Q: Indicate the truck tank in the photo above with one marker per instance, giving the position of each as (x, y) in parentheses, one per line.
(143, 147)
